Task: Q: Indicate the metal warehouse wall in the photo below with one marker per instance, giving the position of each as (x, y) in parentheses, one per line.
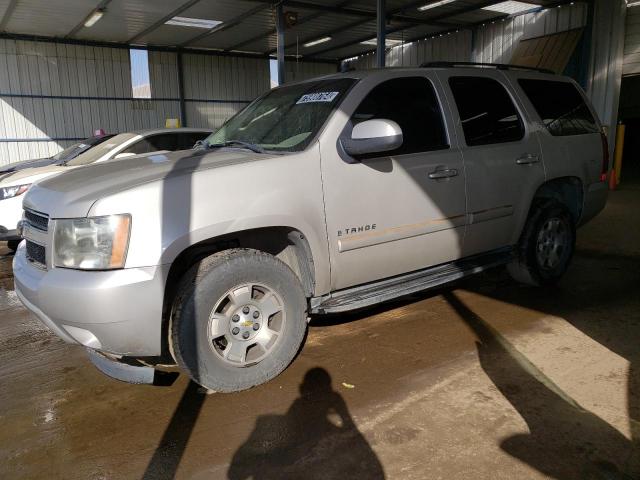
(52, 94)
(632, 42)
(451, 47)
(496, 41)
(295, 71)
(605, 74)
(215, 88)
(492, 43)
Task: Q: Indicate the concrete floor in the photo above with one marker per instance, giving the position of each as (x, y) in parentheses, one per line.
(483, 380)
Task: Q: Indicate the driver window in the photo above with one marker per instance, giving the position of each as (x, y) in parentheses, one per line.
(411, 103)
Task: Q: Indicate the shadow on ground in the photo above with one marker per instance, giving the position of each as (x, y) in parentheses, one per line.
(315, 438)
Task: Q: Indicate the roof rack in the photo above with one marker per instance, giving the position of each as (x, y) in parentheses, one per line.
(499, 66)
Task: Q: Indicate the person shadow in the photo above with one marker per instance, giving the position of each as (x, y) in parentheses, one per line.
(316, 438)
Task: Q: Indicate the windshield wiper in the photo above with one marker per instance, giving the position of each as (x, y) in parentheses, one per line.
(231, 143)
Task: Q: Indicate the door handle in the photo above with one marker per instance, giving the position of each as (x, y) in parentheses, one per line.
(528, 159)
(446, 173)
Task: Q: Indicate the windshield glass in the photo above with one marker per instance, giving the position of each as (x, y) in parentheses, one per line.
(285, 119)
(98, 151)
(71, 151)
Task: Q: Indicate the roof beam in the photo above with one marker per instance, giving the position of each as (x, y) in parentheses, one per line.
(272, 31)
(7, 14)
(80, 26)
(342, 9)
(163, 20)
(442, 16)
(226, 25)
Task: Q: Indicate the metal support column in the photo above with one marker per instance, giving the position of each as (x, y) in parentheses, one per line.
(280, 51)
(382, 30)
(183, 110)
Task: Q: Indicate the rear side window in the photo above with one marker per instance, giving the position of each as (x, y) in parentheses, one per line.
(412, 103)
(486, 110)
(560, 106)
(154, 143)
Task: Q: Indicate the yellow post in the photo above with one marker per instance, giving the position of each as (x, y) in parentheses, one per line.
(617, 155)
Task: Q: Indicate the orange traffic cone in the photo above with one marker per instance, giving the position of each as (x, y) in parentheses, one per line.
(613, 184)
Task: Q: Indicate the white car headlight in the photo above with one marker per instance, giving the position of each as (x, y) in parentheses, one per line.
(10, 192)
(94, 243)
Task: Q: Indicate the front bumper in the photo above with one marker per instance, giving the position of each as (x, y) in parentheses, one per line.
(118, 311)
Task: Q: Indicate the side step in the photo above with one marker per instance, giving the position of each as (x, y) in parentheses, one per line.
(390, 288)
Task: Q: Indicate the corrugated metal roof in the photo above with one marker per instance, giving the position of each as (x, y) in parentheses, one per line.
(247, 25)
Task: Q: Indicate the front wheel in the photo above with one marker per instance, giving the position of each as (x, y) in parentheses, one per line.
(546, 245)
(238, 320)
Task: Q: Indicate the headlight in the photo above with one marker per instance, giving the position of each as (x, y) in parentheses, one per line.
(10, 192)
(94, 243)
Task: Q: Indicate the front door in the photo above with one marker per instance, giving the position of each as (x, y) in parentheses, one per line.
(397, 211)
(501, 154)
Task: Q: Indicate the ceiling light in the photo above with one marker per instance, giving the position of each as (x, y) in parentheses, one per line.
(434, 5)
(511, 7)
(389, 42)
(94, 17)
(634, 3)
(193, 22)
(316, 42)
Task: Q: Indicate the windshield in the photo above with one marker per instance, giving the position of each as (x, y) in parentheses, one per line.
(285, 119)
(70, 152)
(95, 153)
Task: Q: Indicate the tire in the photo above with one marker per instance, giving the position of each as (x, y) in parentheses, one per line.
(546, 246)
(13, 245)
(203, 336)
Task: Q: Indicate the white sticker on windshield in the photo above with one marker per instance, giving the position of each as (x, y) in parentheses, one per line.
(317, 97)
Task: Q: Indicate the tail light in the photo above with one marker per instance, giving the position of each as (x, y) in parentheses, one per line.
(605, 158)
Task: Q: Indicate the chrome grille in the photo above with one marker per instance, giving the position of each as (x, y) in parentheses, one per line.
(36, 253)
(35, 227)
(37, 220)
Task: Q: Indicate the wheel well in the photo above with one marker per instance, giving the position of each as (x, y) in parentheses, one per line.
(567, 190)
(287, 244)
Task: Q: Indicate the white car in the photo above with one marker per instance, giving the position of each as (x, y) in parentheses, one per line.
(14, 184)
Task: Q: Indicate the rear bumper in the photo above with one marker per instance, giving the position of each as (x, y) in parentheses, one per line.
(118, 312)
(595, 199)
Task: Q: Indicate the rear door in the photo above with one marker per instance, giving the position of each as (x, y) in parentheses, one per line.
(502, 157)
(569, 133)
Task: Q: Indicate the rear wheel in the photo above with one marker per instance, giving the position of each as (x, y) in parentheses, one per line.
(238, 321)
(546, 245)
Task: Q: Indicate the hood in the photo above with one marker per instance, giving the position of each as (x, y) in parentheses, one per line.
(30, 175)
(73, 193)
(36, 162)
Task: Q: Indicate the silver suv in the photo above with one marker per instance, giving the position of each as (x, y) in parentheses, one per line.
(322, 196)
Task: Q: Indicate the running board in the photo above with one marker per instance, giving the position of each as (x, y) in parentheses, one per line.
(390, 288)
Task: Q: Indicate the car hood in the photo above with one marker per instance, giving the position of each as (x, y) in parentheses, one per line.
(36, 162)
(72, 194)
(30, 175)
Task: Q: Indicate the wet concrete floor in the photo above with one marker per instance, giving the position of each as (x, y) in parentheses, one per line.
(484, 379)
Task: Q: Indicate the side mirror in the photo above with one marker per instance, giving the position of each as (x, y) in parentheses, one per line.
(373, 136)
(125, 155)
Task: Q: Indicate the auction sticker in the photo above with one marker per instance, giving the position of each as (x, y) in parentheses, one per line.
(317, 97)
